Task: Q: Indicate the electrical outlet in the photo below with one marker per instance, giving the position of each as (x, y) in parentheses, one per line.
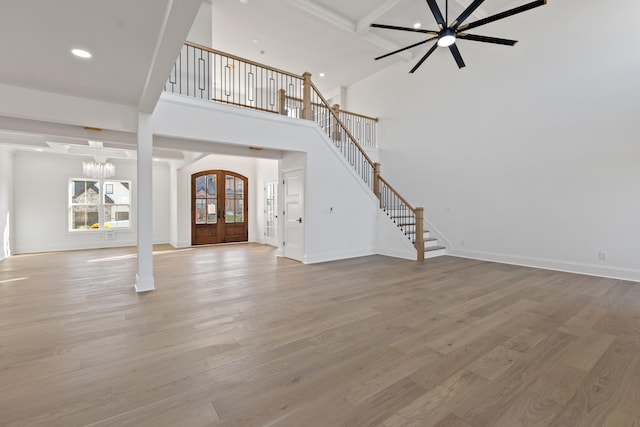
(602, 256)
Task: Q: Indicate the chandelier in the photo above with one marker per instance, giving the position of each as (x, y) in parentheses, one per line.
(98, 170)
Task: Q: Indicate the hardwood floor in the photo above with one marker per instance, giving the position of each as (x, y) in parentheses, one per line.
(235, 336)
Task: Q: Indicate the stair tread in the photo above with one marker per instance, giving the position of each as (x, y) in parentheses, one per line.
(434, 248)
(430, 239)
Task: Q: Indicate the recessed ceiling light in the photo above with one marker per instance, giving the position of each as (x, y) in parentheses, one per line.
(417, 25)
(38, 149)
(81, 53)
(321, 74)
(256, 41)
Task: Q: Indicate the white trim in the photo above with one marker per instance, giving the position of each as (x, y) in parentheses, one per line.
(549, 264)
(334, 256)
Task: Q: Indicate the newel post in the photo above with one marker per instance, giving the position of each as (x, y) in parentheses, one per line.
(336, 127)
(420, 233)
(306, 96)
(282, 102)
(376, 181)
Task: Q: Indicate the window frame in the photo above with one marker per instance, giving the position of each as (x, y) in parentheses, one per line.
(102, 206)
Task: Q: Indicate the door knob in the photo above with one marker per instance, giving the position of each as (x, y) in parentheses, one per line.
(300, 220)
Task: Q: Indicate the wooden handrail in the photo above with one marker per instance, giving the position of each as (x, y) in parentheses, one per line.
(353, 139)
(402, 199)
(375, 119)
(237, 58)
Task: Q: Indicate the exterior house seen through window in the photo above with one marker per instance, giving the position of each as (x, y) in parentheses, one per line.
(99, 204)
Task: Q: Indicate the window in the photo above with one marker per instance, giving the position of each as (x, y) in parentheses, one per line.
(99, 204)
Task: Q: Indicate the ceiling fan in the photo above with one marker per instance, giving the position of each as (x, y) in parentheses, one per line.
(448, 34)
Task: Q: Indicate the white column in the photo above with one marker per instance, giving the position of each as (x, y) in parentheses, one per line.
(144, 278)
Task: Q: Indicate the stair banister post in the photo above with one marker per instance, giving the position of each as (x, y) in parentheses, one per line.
(376, 181)
(420, 233)
(282, 102)
(336, 126)
(306, 96)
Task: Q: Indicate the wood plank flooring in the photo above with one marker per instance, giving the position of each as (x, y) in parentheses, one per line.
(234, 336)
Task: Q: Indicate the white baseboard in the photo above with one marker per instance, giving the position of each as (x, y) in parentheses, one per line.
(549, 264)
(334, 256)
(398, 253)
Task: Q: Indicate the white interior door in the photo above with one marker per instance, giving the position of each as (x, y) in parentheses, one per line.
(271, 213)
(293, 215)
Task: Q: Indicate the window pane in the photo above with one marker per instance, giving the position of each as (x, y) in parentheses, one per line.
(212, 217)
(239, 211)
(201, 186)
(116, 216)
(239, 187)
(229, 214)
(229, 186)
(116, 192)
(201, 211)
(212, 185)
(84, 217)
(85, 192)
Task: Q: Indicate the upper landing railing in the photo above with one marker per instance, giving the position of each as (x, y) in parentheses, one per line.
(209, 74)
(206, 73)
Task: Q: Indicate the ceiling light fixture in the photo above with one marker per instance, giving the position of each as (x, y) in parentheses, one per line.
(417, 25)
(98, 170)
(447, 38)
(322, 74)
(81, 53)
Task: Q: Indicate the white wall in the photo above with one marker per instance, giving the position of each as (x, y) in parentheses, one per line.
(257, 171)
(201, 29)
(530, 155)
(41, 183)
(329, 183)
(6, 203)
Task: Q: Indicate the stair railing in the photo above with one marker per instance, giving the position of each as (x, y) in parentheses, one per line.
(363, 128)
(408, 219)
(207, 73)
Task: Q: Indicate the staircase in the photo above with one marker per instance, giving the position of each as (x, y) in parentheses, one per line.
(407, 225)
(214, 75)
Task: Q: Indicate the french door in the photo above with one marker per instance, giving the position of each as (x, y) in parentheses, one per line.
(218, 207)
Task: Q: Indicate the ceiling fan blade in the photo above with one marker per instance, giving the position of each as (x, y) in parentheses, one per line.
(433, 48)
(456, 55)
(502, 15)
(406, 48)
(436, 13)
(487, 39)
(413, 30)
(466, 13)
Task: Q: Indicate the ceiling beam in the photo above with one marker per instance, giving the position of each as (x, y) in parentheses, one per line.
(375, 14)
(325, 14)
(479, 13)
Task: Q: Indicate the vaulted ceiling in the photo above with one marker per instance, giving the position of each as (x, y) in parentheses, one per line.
(334, 37)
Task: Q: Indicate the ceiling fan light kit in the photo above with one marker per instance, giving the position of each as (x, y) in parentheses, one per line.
(448, 35)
